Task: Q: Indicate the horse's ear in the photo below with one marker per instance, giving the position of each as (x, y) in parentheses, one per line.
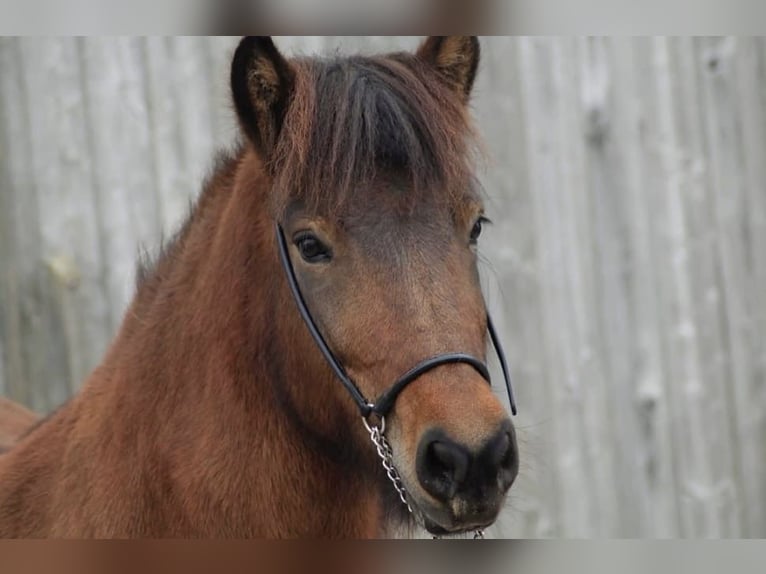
(456, 58)
(261, 85)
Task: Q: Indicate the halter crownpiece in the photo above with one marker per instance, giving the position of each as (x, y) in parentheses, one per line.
(383, 405)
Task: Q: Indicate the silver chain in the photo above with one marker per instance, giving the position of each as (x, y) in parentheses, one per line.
(378, 438)
(387, 457)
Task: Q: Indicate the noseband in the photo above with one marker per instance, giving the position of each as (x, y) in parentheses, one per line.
(384, 403)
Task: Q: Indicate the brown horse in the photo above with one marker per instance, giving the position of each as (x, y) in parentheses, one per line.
(213, 413)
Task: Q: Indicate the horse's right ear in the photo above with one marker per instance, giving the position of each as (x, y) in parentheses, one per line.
(261, 85)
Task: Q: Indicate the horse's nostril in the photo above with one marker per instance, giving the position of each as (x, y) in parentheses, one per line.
(442, 467)
(504, 453)
(450, 459)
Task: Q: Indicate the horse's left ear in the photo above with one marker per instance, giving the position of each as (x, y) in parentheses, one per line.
(262, 84)
(456, 58)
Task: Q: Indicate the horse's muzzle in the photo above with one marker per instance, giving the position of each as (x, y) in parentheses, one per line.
(466, 486)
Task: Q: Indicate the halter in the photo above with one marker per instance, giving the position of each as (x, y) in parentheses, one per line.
(385, 402)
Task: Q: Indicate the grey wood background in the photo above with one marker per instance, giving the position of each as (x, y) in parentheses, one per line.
(626, 266)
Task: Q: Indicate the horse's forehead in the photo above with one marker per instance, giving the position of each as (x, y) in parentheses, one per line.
(397, 203)
(392, 234)
(397, 210)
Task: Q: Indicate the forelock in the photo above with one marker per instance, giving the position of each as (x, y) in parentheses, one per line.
(353, 121)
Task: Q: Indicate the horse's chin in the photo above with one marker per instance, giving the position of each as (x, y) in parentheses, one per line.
(438, 530)
(438, 521)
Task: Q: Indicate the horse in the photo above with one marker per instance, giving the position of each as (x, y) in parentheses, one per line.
(349, 206)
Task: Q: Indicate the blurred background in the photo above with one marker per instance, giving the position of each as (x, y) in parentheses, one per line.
(626, 267)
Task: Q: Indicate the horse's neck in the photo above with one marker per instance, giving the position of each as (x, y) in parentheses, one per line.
(206, 374)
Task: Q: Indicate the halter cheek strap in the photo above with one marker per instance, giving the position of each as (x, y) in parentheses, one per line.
(383, 405)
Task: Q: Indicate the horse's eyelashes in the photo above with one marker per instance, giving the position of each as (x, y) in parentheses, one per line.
(477, 229)
(312, 249)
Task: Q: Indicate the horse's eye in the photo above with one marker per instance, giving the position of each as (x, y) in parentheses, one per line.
(476, 231)
(312, 250)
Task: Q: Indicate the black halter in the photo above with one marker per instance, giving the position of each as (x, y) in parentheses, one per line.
(385, 402)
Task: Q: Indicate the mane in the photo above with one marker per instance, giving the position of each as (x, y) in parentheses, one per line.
(354, 120)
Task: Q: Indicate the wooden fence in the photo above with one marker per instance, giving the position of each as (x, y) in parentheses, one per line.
(626, 266)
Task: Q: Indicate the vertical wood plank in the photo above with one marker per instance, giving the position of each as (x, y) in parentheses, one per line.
(643, 396)
(182, 125)
(605, 121)
(728, 199)
(751, 420)
(119, 146)
(75, 318)
(542, 74)
(18, 249)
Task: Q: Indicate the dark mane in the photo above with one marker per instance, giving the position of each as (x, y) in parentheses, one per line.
(352, 120)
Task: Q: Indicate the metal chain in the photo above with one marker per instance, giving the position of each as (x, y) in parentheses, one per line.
(386, 455)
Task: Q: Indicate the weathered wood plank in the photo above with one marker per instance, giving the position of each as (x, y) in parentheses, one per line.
(11, 165)
(728, 202)
(751, 418)
(71, 264)
(118, 134)
(181, 122)
(643, 401)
